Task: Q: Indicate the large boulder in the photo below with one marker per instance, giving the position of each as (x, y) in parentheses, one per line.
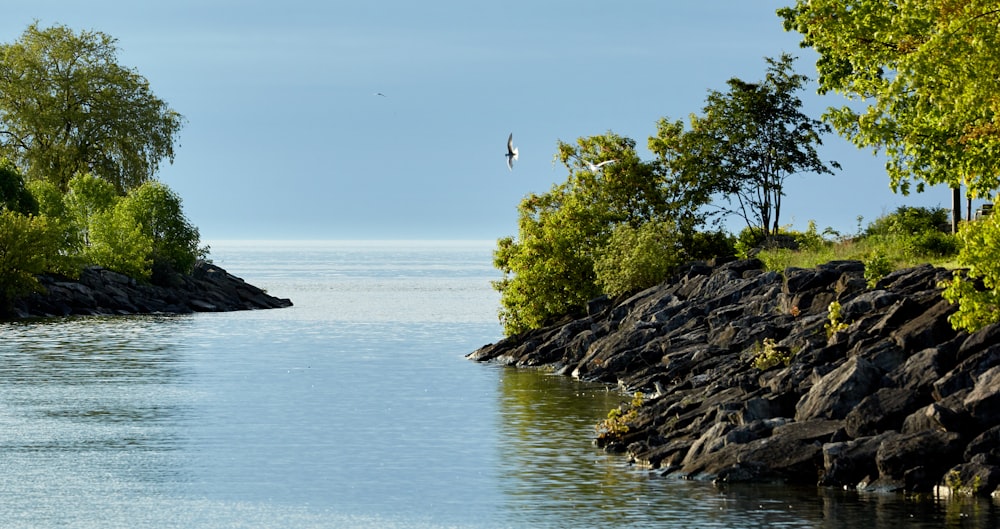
(840, 391)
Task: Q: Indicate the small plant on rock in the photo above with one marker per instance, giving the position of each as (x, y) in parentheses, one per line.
(835, 324)
(770, 354)
(954, 482)
(877, 266)
(614, 428)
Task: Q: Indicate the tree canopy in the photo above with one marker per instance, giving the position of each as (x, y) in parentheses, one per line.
(746, 143)
(81, 138)
(922, 77)
(619, 224)
(613, 226)
(68, 107)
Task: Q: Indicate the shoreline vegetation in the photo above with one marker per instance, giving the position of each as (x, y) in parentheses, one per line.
(871, 371)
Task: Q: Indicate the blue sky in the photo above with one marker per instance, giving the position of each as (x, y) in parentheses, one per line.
(286, 139)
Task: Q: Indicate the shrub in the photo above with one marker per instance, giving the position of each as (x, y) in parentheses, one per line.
(932, 243)
(156, 210)
(910, 220)
(976, 290)
(834, 323)
(637, 258)
(877, 266)
(118, 243)
(27, 246)
(769, 354)
(616, 425)
(13, 194)
(709, 244)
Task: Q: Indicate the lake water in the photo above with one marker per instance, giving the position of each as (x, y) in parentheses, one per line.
(354, 408)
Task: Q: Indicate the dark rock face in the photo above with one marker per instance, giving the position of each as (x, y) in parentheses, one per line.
(898, 401)
(103, 292)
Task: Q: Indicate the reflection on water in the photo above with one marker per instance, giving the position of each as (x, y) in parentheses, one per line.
(554, 477)
(549, 464)
(347, 410)
(89, 409)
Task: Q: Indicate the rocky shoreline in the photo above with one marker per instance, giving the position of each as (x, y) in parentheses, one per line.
(887, 397)
(99, 291)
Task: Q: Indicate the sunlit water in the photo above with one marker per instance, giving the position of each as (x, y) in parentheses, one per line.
(354, 408)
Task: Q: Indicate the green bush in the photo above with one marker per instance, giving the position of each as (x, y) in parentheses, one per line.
(616, 425)
(932, 243)
(877, 266)
(118, 243)
(13, 194)
(910, 220)
(637, 258)
(709, 244)
(156, 210)
(27, 247)
(769, 354)
(976, 292)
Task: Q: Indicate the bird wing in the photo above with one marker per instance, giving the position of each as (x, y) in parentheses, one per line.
(510, 145)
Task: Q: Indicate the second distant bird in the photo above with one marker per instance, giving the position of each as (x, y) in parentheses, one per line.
(511, 152)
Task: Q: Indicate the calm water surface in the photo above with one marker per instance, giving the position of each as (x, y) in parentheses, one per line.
(354, 408)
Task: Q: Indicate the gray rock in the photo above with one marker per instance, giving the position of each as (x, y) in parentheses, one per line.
(101, 291)
(837, 393)
(890, 403)
(915, 462)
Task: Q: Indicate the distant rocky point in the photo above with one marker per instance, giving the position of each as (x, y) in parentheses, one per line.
(892, 400)
(99, 291)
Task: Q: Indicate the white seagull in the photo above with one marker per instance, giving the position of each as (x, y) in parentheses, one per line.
(511, 152)
(597, 167)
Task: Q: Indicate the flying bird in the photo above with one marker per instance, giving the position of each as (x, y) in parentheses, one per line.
(511, 152)
(380, 94)
(597, 167)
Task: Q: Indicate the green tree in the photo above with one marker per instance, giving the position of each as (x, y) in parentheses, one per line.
(748, 141)
(921, 75)
(549, 268)
(27, 248)
(977, 289)
(156, 209)
(87, 197)
(635, 258)
(68, 107)
(118, 243)
(14, 195)
(64, 229)
(51, 201)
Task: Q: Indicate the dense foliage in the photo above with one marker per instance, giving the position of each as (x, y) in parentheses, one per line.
(80, 141)
(619, 224)
(609, 229)
(923, 72)
(28, 246)
(548, 270)
(750, 139)
(13, 195)
(976, 290)
(68, 107)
